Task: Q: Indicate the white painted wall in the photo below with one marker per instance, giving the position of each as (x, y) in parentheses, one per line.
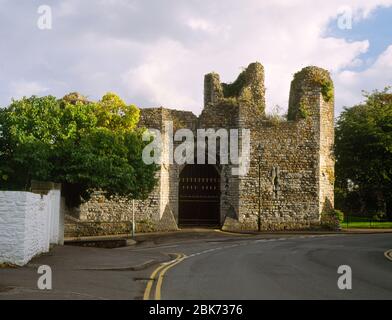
(29, 223)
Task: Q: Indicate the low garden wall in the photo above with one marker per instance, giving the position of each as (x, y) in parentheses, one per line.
(29, 223)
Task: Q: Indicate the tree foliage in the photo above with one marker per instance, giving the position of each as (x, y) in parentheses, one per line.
(363, 149)
(83, 145)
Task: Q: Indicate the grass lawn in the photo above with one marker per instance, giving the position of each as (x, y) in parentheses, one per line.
(356, 222)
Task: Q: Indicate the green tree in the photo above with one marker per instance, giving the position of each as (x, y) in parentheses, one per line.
(30, 127)
(363, 149)
(81, 144)
(114, 114)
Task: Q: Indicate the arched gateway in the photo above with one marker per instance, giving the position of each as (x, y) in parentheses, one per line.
(199, 196)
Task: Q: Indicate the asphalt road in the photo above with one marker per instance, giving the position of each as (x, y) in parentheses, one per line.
(281, 268)
(212, 265)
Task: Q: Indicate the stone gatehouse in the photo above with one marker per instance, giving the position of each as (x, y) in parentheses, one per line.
(290, 182)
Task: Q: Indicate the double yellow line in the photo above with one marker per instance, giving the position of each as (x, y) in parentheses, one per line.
(158, 274)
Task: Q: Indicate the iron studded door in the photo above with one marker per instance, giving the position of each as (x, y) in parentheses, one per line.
(199, 196)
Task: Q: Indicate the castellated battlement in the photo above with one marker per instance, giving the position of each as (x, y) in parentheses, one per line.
(248, 86)
(242, 102)
(305, 91)
(291, 180)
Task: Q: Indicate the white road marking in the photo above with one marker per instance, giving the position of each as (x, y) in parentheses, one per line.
(253, 241)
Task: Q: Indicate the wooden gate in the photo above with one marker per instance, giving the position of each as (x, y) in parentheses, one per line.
(199, 196)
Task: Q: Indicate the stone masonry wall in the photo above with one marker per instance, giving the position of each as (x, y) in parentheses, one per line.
(297, 166)
(288, 170)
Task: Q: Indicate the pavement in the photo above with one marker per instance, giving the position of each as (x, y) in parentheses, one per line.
(81, 273)
(210, 264)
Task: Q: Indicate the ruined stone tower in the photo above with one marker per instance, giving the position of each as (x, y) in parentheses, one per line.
(291, 158)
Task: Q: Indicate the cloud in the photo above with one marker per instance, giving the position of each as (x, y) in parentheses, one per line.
(156, 53)
(200, 24)
(164, 80)
(350, 83)
(26, 88)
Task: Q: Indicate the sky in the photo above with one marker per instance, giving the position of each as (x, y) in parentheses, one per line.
(155, 53)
